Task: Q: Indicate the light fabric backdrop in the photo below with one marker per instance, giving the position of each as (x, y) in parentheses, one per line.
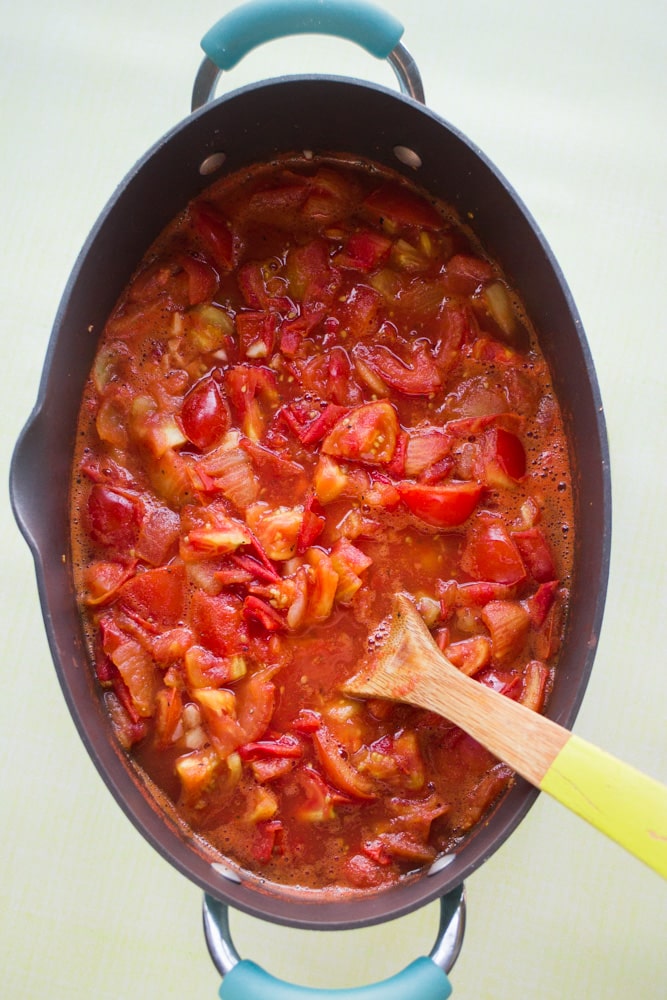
(569, 100)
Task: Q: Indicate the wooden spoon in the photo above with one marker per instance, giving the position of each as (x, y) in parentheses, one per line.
(626, 805)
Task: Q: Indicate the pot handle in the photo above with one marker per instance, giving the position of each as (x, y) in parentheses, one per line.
(259, 21)
(423, 979)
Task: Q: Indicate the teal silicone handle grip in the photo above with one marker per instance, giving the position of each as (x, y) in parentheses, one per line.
(421, 980)
(259, 21)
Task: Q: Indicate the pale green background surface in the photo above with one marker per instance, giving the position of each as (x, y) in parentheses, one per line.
(569, 100)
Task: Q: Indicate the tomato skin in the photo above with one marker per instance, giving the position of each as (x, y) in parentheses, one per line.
(443, 506)
(285, 747)
(114, 517)
(491, 554)
(205, 415)
(257, 610)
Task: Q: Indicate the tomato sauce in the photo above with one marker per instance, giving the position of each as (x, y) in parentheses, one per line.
(317, 391)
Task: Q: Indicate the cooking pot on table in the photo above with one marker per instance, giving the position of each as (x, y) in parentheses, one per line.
(322, 114)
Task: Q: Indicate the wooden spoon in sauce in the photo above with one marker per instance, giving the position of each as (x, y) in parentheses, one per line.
(629, 807)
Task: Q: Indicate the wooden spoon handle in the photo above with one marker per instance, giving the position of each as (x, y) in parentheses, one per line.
(627, 806)
(618, 800)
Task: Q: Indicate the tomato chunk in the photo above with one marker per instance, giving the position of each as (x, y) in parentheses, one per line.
(491, 554)
(420, 378)
(444, 506)
(367, 434)
(156, 595)
(205, 415)
(215, 231)
(114, 517)
(536, 554)
(397, 204)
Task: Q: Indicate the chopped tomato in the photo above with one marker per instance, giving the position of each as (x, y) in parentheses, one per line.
(308, 428)
(444, 506)
(367, 434)
(204, 414)
(260, 290)
(197, 771)
(215, 232)
(203, 669)
(508, 623)
(465, 273)
(349, 562)
(328, 375)
(158, 535)
(424, 448)
(312, 279)
(255, 703)
(218, 708)
(257, 610)
(337, 767)
(103, 580)
(316, 800)
(156, 595)
(539, 603)
(203, 279)
(503, 457)
(469, 655)
(505, 682)
(323, 591)
(114, 517)
(364, 251)
(420, 378)
(268, 838)
(396, 204)
(536, 554)
(138, 673)
(218, 623)
(253, 392)
(285, 746)
(257, 333)
(329, 198)
(362, 314)
(169, 708)
(491, 554)
(312, 524)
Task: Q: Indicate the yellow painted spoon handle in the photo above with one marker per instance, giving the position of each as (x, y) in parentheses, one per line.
(626, 805)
